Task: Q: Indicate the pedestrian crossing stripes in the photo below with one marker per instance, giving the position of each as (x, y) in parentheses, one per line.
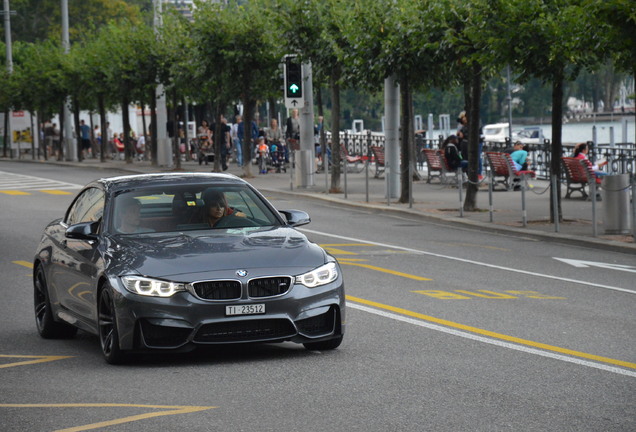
(19, 184)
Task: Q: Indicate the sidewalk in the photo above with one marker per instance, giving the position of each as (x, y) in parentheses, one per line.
(433, 201)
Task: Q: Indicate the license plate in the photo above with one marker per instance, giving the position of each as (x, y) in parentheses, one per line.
(250, 309)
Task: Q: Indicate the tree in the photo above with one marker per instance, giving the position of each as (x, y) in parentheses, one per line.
(314, 30)
(550, 40)
(615, 21)
(237, 54)
(38, 20)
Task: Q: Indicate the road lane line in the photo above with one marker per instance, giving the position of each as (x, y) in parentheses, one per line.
(492, 338)
(421, 252)
(384, 270)
(14, 192)
(39, 359)
(172, 410)
(23, 263)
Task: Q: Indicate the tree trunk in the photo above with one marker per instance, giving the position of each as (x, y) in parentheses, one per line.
(335, 134)
(102, 120)
(144, 128)
(406, 138)
(186, 135)
(321, 123)
(557, 146)
(60, 154)
(175, 131)
(34, 131)
(470, 202)
(153, 127)
(218, 135)
(5, 138)
(78, 135)
(126, 138)
(247, 134)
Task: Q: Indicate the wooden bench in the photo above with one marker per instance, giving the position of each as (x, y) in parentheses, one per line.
(378, 156)
(577, 172)
(501, 165)
(355, 162)
(447, 171)
(434, 163)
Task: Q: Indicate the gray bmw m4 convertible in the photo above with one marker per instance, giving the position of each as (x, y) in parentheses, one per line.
(167, 262)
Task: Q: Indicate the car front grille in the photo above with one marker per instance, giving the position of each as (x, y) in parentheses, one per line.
(318, 325)
(218, 290)
(269, 286)
(245, 331)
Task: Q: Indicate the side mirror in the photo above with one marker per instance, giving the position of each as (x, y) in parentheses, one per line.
(295, 217)
(83, 231)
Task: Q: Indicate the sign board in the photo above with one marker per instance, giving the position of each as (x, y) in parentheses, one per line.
(21, 133)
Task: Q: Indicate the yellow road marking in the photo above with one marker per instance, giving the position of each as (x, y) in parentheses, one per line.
(334, 251)
(172, 410)
(14, 192)
(383, 270)
(39, 359)
(492, 334)
(352, 259)
(344, 244)
(55, 192)
(24, 263)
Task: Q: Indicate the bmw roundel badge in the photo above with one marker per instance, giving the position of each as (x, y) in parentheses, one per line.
(241, 273)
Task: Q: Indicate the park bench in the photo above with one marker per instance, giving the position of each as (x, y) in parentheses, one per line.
(501, 165)
(355, 162)
(434, 163)
(378, 156)
(577, 176)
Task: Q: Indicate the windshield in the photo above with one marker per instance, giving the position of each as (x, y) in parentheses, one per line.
(188, 208)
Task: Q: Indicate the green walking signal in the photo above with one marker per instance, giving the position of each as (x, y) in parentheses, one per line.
(293, 78)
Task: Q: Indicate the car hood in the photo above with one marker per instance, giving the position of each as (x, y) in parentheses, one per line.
(214, 253)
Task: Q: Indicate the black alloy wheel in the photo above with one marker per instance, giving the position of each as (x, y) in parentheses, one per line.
(108, 334)
(47, 327)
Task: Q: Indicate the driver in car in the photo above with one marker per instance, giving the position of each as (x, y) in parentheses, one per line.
(217, 209)
(129, 211)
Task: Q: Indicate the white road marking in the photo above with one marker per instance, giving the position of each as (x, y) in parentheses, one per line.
(11, 181)
(464, 260)
(585, 264)
(492, 341)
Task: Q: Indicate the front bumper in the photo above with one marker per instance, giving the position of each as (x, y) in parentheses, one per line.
(300, 315)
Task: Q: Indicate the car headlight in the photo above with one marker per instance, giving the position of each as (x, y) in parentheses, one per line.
(151, 287)
(320, 276)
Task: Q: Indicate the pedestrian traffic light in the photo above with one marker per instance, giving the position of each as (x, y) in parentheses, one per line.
(293, 77)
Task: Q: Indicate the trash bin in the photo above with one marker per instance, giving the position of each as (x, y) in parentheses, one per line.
(304, 165)
(616, 208)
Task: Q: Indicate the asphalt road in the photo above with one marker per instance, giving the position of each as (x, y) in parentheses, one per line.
(447, 329)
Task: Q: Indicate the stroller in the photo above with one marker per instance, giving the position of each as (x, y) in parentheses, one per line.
(277, 155)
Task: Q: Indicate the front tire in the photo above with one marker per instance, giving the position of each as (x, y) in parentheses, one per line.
(108, 333)
(327, 345)
(47, 327)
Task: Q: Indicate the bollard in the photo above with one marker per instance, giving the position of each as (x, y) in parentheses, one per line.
(491, 208)
(524, 215)
(555, 202)
(461, 192)
(592, 183)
